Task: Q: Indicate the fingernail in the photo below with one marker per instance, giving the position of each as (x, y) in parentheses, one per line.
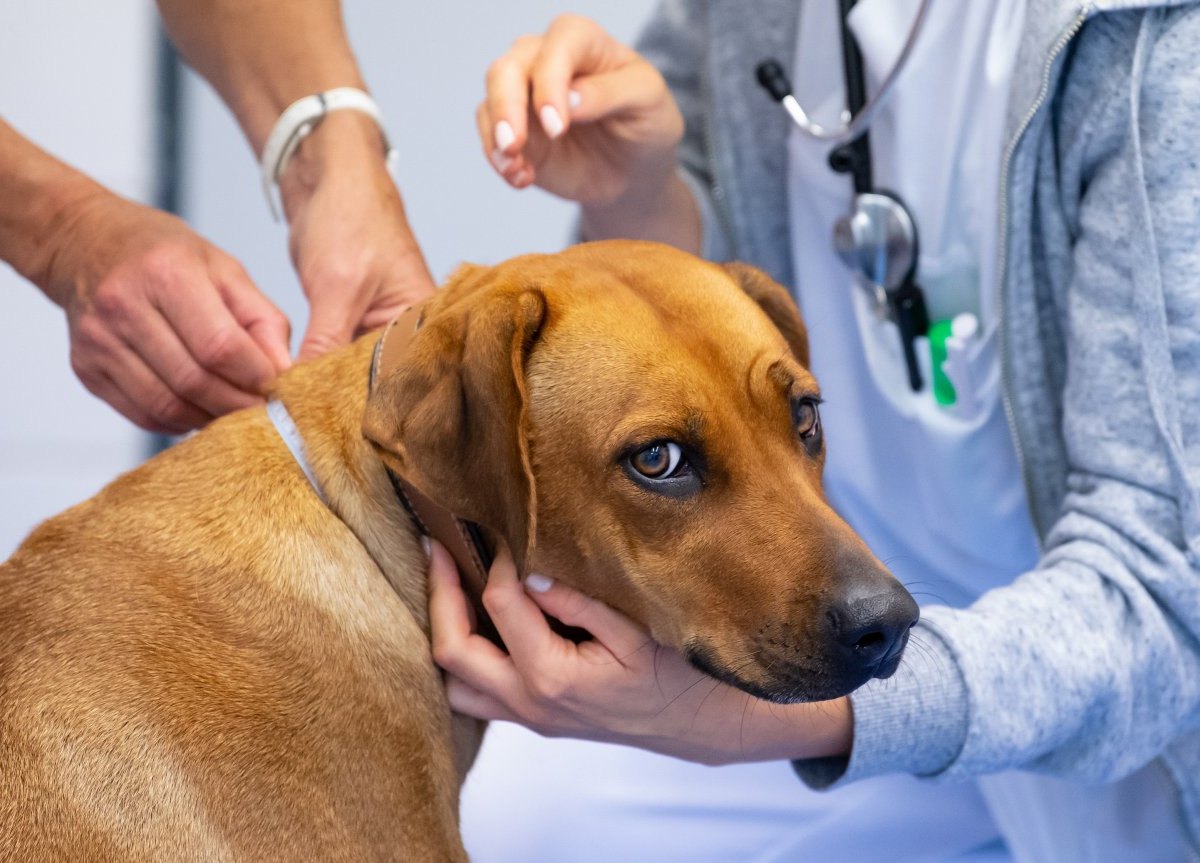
(551, 122)
(426, 545)
(538, 583)
(500, 161)
(504, 135)
(573, 99)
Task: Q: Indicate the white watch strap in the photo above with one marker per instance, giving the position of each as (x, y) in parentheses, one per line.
(298, 121)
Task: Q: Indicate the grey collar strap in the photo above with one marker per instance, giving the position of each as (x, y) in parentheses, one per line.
(291, 436)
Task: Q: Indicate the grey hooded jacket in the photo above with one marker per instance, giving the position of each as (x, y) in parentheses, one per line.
(1088, 667)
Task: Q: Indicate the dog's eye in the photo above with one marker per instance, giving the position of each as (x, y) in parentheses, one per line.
(657, 461)
(806, 418)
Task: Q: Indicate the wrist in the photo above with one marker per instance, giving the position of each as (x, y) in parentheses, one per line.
(790, 732)
(348, 145)
(730, 727)
(39, 198)
(50, 260)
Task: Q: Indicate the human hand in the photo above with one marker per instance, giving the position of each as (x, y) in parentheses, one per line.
(164, 326)
(357, 259)
(620, 687)
(581, 115)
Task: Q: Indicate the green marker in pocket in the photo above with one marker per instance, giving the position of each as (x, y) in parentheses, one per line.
(943, 390)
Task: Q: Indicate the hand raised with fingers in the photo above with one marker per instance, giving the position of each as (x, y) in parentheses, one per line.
(164, 326)
(579, 114)
(620, 687)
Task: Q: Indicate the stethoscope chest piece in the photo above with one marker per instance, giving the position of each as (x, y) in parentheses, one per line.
(877, 241)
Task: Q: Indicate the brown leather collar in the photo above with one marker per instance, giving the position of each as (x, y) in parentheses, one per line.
(463, 539)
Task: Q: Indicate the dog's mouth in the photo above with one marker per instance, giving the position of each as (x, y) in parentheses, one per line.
(793, 683)
(890, 663)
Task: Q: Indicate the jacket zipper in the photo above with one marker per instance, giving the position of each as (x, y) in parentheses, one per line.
(708, 133)
(1061, 43)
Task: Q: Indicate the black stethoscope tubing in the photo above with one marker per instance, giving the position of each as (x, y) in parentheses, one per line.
(906, 302)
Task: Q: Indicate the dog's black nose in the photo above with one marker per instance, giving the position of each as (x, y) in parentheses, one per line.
(871, 627)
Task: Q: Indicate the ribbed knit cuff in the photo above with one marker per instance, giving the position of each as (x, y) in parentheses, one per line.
(914, 722)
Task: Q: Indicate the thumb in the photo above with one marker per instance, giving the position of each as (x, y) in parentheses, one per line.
(611, 628)
(330, 325)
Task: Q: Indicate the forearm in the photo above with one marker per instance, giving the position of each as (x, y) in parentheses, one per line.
(262, 56)
(39, 197)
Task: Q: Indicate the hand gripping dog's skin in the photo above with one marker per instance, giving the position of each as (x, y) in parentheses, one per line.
(207, 662)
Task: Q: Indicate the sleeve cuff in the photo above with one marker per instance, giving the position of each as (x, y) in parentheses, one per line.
(914, 722)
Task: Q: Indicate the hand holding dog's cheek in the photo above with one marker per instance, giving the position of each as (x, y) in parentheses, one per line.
(624, 687)
(482, 680)
(456, 647)
(620, 687)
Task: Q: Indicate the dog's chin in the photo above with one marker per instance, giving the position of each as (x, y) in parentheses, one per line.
(799, 686)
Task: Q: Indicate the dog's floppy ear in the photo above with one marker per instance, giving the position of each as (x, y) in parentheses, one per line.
(452, 418)
(774, 299)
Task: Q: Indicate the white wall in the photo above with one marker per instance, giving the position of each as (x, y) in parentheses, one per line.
(76, 76)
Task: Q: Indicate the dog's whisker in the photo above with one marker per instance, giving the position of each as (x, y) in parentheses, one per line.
(684, 691)
(658, 648)
(746, 707)
(926, 650)
(934, 596)
(649, 642)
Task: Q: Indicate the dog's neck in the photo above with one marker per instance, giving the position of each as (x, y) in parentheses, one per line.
(464, 540)
(325, 400)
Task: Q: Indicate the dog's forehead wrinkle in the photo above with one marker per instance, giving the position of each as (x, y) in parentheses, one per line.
(780, 373)
(792, 378)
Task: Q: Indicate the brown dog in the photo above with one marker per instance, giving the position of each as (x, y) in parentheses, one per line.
(207, 661)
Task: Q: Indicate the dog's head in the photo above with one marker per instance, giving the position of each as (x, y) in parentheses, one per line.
(643, 425)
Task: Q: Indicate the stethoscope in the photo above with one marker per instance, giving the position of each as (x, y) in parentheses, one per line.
(877, 239)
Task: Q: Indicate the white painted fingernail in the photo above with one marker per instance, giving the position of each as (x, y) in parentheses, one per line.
(538, 583)
(500, 161)
(551, 122)
(573, 99)
(426, 545)
(504, 135)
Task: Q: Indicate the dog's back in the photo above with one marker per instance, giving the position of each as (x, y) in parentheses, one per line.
(202, 663)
